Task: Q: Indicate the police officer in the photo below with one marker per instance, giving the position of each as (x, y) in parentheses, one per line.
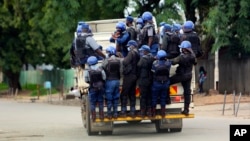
(191, 36)
(176, 29)
(145, 80)
(121, 36)
(130, 28)
(184, 71)
(86, 46)
(161, 33)
(160, 87)
(113, 69)
(129, 78)
(149, 36)
(171, 42)
(73, 59)
(139, 26)
(166, 33)
(95, 76)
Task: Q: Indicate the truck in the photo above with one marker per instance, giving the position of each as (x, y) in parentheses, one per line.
(173, 120)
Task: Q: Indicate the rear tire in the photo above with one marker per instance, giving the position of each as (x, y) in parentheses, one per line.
(175, 130)
(158, 129)
(107, 132)
(88, 122)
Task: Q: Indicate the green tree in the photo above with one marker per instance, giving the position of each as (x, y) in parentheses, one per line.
(167, 10)
(41, 31)
(228, 22)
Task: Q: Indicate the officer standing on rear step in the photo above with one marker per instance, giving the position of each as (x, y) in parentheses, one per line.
(113, 69)
(129, 78)
(184, 72)
(161, 69)
(95, 76)
(145, 80)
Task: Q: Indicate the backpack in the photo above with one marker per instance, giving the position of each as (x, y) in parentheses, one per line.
(132, 33)
(113, 69)
(170, 45)
(145, 35)
(162, 72)
(129, 69)
(194, 39)
(80, 50)
(96, 80)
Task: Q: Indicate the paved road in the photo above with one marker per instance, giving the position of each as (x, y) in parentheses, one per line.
(24, 121)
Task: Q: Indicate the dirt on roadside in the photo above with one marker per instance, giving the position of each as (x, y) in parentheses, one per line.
(202, 99)
(199, 99)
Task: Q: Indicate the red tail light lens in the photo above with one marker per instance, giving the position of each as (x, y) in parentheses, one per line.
(176, 99)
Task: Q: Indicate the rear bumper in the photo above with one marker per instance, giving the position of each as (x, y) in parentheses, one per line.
(157, 117)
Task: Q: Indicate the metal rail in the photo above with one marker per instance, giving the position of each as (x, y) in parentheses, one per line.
(157, 117)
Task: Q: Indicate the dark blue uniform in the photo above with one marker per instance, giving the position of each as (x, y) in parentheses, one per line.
(160, 85)
(184, 75)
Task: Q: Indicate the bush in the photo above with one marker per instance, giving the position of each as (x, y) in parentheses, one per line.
(30, 87)
(3, 86)
(43, 92)
(33, 88)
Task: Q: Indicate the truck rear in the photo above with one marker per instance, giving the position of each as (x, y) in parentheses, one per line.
(172, 122)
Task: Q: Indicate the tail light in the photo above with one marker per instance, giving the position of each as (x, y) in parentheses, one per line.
(177, 99)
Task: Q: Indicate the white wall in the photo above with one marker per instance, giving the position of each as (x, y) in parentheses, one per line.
(1, 76)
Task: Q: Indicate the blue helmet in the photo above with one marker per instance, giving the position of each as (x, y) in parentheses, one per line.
(121, 26)
(144, 48)
(167, 27)
(81, 22)
(132, 43)
(85, 26)
(139, 21)
(185, 44)
(147, 16)
(90, 30)
(79, 29)
(79, 25)
(188, 26)
(111, 50)
(129, 19)
(92, 60)
(161, 54)
(162, 24)
(176, 27)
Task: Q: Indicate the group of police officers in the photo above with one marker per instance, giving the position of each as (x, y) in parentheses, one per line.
(141, 55)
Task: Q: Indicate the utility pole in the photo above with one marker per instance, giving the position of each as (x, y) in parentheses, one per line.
(216, 65)
(216, 70)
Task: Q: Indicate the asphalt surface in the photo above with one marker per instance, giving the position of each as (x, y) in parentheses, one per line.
(22, 120)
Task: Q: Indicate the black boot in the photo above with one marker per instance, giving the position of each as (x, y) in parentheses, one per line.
(124, 111)
(101, 115)
(115, 115)
(153, 112)
(132, 111)
(186, 109)
(115, 107)
(93, 114)
(109, 115)
(163, 112)
(142, 113)
(149, 112)
(109, 107)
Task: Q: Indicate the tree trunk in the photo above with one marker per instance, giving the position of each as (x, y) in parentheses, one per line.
(13, 80)
(190, 11)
